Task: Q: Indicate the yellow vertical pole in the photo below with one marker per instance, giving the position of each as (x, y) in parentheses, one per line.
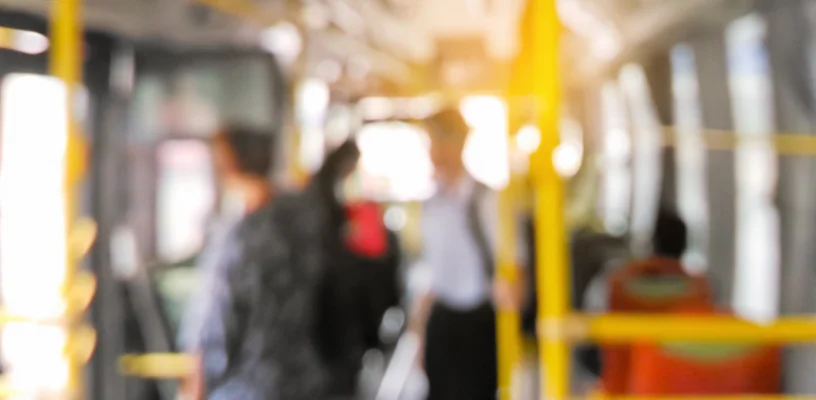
(551, 242)
(66, 64)
(508, 322)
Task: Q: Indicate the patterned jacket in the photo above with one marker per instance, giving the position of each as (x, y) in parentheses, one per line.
(257, 340)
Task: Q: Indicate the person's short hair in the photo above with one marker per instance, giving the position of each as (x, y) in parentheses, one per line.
(252, 149)
(670, 234)
(447, 123)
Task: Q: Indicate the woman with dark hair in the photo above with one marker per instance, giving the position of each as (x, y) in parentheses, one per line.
(359, 283)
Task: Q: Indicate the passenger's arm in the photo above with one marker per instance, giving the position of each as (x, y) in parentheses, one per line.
(225, 313)
(420, 311)
(192, 386)
(418, 322)
(507, 295)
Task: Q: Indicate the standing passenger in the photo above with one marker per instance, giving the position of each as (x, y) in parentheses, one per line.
(242, 159)
(262, 336)
(457, 315)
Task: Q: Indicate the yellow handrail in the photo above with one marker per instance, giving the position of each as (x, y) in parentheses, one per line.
(245, 10)
(552, 263)
(157, 365)
(661, 328)
(66, 64)
(696, 397)
(784, 143)
(507, 321)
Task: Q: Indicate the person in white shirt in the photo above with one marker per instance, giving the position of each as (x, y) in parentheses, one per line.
(456, 316)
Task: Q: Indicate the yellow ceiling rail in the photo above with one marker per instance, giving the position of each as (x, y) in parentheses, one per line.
(784, 143)
(703, 397)
(244, 9)
(621, 328)
(157, 365)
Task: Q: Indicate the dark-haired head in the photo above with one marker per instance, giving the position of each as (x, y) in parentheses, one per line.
(337, 165)
(244, 151)
(448, 132)
(670, 235)
(340, 161)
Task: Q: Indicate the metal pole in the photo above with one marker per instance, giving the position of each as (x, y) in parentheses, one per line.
(508, 322)
(66, 64)
(551, 242)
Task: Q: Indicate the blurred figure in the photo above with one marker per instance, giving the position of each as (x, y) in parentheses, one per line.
(283, 319)
(242, 160)
(669, 241)
(670, 236)
(457, 315)
(338, 334)
(361, 260)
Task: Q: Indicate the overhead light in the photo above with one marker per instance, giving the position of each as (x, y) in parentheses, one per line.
(27, 42)
(30, 42)
(284, 41)
(376, 108)
(358, 67)
(528, 139)
(329, 70)
(315, 16)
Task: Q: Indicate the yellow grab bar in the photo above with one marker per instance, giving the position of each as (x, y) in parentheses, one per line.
(551, 241)
(245, 10)
(66, 64)
(697, 328)
(157, 365)
(703, 397)
(508, 322)
(551, 263)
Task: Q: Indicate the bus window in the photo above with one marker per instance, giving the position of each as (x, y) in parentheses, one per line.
(394, 162)
(185, 197)
(33, 139)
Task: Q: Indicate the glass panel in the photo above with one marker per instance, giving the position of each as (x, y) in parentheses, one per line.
(691, 156)
(32, 229)
(646, 160)
(197, 98)
(616, 157)
(756, 293)
(185, 198)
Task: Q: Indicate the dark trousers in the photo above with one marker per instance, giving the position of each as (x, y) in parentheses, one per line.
(460, 354)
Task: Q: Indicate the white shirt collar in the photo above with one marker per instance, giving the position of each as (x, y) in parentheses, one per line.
(461, 190)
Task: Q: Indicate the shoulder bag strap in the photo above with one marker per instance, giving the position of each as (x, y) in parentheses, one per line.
(477, 231)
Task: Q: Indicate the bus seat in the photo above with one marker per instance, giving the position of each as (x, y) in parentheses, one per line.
(683, 368)
(653, 285)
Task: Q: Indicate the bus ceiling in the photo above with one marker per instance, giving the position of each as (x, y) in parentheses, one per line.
(399, 47)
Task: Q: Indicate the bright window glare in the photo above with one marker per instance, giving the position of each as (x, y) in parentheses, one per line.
(32, 226)
(486, 152)
(312, 107)
(30, 42)
(375, 108)
(23, 41)
(397, 154)
(184, 197)
(283, 40)
(568, 157)
(528, 139)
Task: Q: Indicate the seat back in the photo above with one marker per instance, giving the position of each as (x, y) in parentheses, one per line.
(649, 286)
(681, 369)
